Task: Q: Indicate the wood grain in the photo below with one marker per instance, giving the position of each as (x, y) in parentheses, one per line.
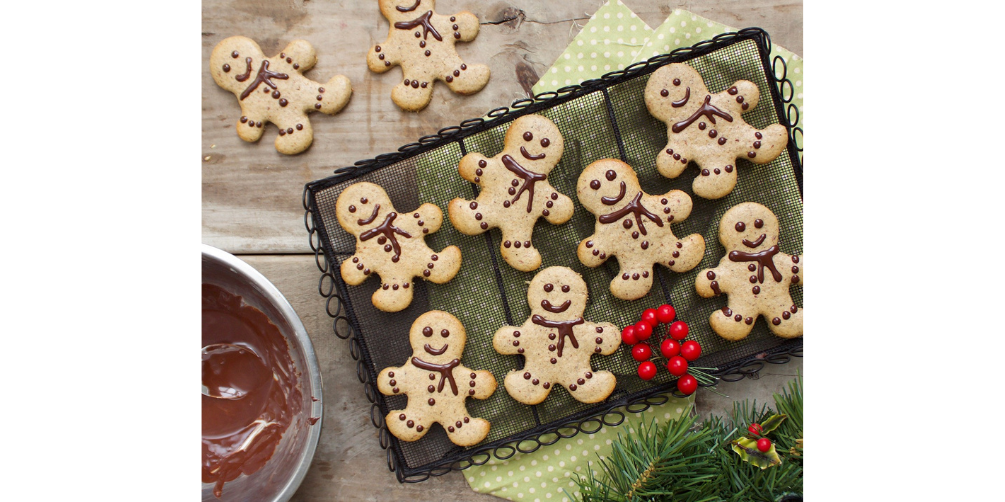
(252, 194)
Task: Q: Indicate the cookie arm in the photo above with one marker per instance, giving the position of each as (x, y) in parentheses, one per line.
(384, 380)
(467, 26)
(503, 340)
(468, 165)
(430, 216)
(562, 208)
(611, 338)
(352, 274)
(794, 268)
(378, 64)
(586, 249)
(703, 283)
(485, 382)
(302, 53)
(678, 202)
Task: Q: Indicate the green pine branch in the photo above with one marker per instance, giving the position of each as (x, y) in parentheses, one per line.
(682, 460)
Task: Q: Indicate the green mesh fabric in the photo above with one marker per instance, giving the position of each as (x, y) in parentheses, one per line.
(487, 293)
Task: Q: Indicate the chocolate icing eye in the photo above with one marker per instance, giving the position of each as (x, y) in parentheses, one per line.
(758, 223)
(235, 54)
(565, 289)
(548, 288)
(527, 136)
(545, 142)
(427, 331)
(740, 226)
(363, 200)
(611, 175)
(445, 333)
(595, 184)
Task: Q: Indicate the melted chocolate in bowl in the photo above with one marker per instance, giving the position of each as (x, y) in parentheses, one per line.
(246, 365)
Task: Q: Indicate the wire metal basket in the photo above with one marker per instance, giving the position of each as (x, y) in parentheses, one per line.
(601, 118)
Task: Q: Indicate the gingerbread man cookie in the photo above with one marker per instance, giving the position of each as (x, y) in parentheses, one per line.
(422, 42)
(514, 190)
(275, 90)
(708, 128)
(557, 342)
(755, 275)
(392, 245)
(634, 227)
(436, 383)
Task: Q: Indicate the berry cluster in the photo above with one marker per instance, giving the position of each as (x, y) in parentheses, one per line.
(676, 353)
(763, 444)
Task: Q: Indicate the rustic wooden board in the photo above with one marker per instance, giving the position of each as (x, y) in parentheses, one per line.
(252, 194)
(349, 463)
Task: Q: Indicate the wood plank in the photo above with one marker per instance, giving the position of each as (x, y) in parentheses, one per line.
(252, 194)
(349, 463)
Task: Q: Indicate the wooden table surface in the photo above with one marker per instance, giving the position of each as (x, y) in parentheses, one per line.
(251, 194)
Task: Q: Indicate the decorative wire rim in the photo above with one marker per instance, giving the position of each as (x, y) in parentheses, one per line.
(569, 426)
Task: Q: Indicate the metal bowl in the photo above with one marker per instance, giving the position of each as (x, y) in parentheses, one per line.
(281, 476)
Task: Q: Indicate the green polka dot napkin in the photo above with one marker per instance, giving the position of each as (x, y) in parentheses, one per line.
(613, 39)
(544, 474)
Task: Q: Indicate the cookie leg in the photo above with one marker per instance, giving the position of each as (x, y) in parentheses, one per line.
(444, 265)
(517, 249)
(407, 424)
(467, 431)
(732, 324)
(466, 216)
(393, 295)
(786, 323)
(467, 79)
(715, 182)
(526, 388)
(592, 386)
(294, 137)
(689, 254)
(413, 93)
(669, 162)
(633, 282)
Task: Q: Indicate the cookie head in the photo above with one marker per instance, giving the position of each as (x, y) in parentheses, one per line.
(437, 337)
(535, 142)
(557, 293)
(405, 10)
(606, 185)
(748, 227)
(671, 88)
(362, 206)
(233, 62)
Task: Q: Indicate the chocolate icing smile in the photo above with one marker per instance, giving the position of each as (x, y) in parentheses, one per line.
(409, 9)
(556, 310)
(436, 352)
(756, 243)
(610, 201)
(528, 156)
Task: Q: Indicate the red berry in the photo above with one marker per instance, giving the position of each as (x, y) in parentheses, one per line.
(647, 370)
(764, 444)
(628, 336)
(690, 350)
(687, 384)
(649, 317)
(643, 330)
(669, 348)
(641, 352)
(677, 366)
(678, 330)
(665, 313)
(755, 429)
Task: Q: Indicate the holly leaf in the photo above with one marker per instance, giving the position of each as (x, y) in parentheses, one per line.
(747, 449)
(772, 423)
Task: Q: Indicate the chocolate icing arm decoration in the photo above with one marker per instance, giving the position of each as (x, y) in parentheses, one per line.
(247, 73)
(387, 229)
(372, 217)
(528, 177)
(682, 102)
(635, 207)
(707, 110)
(446, 371)
(423, 21)
(564, 330)
(610, 201)
(263, 78)
(765, 259)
